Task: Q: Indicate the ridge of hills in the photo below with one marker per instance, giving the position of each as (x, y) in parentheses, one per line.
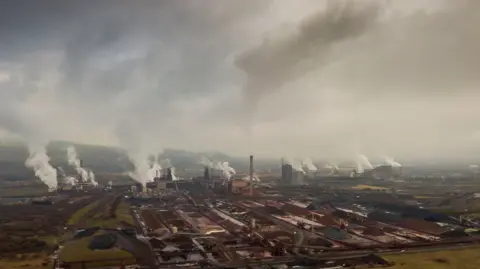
(105, 159)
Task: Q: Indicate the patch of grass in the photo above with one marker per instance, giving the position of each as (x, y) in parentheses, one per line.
(366, 187)
(80, 213)
(26, 261)
(123, 213)
(463, 258)
(50, 240)
(78, 251)
(427, 197)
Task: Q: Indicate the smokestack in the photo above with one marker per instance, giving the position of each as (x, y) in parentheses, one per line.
(251, 174)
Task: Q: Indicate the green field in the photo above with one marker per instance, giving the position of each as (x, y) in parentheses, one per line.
(369, 187)
(26, 261)
(462, 259)
(122, 216)
(75, 218)
(78, 251)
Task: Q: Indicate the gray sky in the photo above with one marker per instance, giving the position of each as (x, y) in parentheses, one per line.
(273, 78)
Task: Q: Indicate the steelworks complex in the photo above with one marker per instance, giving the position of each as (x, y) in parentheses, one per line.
(208, 221)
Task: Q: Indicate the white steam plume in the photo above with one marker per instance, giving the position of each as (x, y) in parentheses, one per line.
(62, 172)
(39, 162)
(307, 163)
(227, 171)
(172, 172)
(296, 164)
(145, 168)
(91, 177)
(363, 163)
(390, 161)
(72, 181)
(255, 178)
(206, 162)
(74, 161)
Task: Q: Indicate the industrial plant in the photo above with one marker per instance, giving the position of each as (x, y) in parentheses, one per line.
(309, 214)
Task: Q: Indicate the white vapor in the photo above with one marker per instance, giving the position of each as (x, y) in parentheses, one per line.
(227, 171)
(69, 180)
(308, 165)
(39, 162)
(91, 178)
(296, 164)
(363, 163)
(145, 167)
(74, 161)
(319, 75)
(391, 161)
(174, 176)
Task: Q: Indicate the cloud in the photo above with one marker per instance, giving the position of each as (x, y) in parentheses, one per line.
(385, 81)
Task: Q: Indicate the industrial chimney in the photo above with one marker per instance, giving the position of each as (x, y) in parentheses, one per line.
(251, 174)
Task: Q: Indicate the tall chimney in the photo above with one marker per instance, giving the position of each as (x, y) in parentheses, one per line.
(251, 174)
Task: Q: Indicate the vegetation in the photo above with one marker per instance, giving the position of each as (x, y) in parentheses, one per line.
(78, 251)
(109, 212)
(27, 228)
(77, 216)
(27, 261)
(463, 258)
(123, 213)
(369, 187)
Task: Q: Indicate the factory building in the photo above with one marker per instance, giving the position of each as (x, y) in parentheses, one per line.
(291, 176)
(287, 173)
(206, 174)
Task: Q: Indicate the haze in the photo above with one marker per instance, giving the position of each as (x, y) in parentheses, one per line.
(272, 78)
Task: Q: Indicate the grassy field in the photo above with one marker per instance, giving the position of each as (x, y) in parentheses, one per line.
(462, 259)
(75, 218)
(26, 261)
(123, 213)
(122, 216)
(78, 251)
(366, 187)
(427, 197)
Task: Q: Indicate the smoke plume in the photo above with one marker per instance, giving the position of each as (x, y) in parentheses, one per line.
(74, 161)
(227, 171)
(91, 178)
(363, 163)
(72, 181)
(39, 162)
(255, 178)
(308, 165)
(296, 164)
(304, 48)
(145, 168)
(172, 172)
(391, 161)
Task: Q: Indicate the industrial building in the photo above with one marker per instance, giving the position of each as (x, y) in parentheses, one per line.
(292, 176)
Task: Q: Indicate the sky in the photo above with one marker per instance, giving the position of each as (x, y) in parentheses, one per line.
(271, 78)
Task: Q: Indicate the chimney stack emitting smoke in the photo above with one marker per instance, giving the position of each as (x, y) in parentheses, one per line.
(39, 162)
(251, 174)
(73, 160)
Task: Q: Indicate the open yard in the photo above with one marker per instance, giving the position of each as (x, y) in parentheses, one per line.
(369, 187)
(468, 258)
(78, 251)
(108, 212)
(26, 261)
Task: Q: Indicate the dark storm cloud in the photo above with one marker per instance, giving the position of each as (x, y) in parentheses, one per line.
(305, 48)
(161, 72)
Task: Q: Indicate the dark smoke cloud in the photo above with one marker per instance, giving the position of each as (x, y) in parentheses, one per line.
(304, 49)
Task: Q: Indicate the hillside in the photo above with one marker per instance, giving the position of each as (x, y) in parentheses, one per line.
(102, 159)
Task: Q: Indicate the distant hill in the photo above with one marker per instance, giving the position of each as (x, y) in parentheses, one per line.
(102, 159)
